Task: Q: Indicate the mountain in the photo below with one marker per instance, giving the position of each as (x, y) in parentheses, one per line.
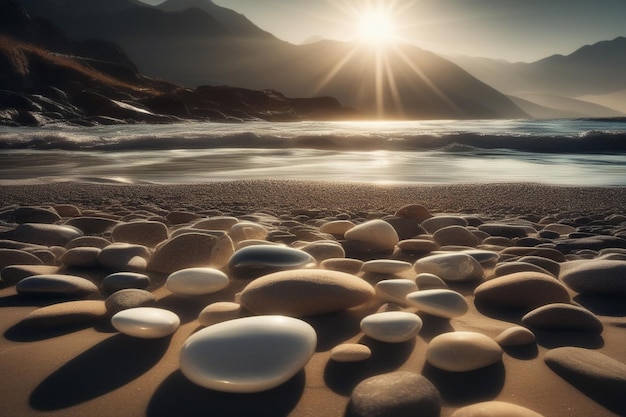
(195, 42)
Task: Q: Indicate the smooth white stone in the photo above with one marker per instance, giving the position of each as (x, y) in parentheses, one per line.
(247, 355)
(378, 234)
(462, 351)
(386, 266)
(395, 290)
(350, 352)
(456, 267)
(196, 281)
(146, 322)
(392, 326)
(439, 302)
(426, 281)
(247, 230)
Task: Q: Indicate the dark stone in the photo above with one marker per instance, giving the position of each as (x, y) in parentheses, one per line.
(255, 261)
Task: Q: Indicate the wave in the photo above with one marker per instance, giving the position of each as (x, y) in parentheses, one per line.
(583, 143)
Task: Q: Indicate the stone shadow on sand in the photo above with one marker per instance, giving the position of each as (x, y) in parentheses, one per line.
(335, 328)
(462, 388)
(561, 338)
(342, 377)
(177, 396)
(603, 305)
(101, 369)
(22, 333)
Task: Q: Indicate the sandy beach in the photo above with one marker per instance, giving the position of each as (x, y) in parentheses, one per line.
(91, 369)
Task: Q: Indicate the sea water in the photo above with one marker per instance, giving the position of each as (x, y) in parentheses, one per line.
(588, 152)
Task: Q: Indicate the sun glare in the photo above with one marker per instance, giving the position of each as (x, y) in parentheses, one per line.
(376, 26)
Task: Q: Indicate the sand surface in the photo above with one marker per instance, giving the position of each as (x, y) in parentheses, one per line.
(95, 371)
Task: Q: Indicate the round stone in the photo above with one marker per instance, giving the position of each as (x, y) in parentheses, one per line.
(439, 302)
(254, 261)
(391, 326)
(247, 230)
(66, 314)
(15, 273)
(426, 281)
(82, 257)
(216, 223)
(439, 222)
(515, 336)
(455, 267)
(88, 241)
(395, 290)
(350, 352)
(596, 276)
(508, 268)
(56, 285)
(494, 409)
(418, 245)
(92, 225)
(219, 312)
(17, 257)
(305, 292)
(386, 266)
(462, 351)
(405, 228)
(522, 290)
(455, 235)
(347, 265)
(248, 355)
(377, 234)
(397, 394)
(322, 250)
(561, 316)
(504, 230)
(197, 281)
(146, 322)
(337, 227)
(124, 257)
(146, 233)
(43, 234)
(415, 212)
(129, 298)
(125, 280)
(35, 215)
(561, 229)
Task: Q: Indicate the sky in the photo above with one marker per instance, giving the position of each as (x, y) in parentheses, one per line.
(514, 30)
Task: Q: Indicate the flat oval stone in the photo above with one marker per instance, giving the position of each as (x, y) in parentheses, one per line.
(66, 314)
(504, 230)
(562, 316)
(494, 409)
(56, 285)
(35, 215)
(548, 264)
(439, 302)
(17, 257)
(462, 351)
(561, 229)
(43, 234)
(125, 280)
(347, 265)
(337, 227)
(92, 225)
(386, 266)
(455, 235)
(146, 322)
(219, 312)
(439, 222)
(418, 245)
(322, 250)
(515, 336)
(522, 290)
(396, 394)
(375, 234)
(508, 268)
(254, 261)
(15, 273)
(596, 277)
(395, 290)
(414, 211)
(88, 241)
(426, 281)
(392, 326)
(129, 298)
(350, 352)
(216, 223)
(197, 281)
(248, 355)
(305, 292)
(146, 233)
(81, 257)
(124, 257)
(247, 230)
(455, 267)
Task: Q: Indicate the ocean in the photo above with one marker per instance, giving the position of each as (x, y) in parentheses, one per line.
(589, 152)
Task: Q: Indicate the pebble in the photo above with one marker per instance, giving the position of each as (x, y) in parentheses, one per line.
(392, 326)
(305, 292)
(146, 322)
(191, 250)
(350, 352)
(455, 235)
(42, 234)
(454, 267)
(247, 230)
(396, 394)
(547, 253)
(81, 257)
(125, 280)
(462, 351)
(91, 225)
(415, 212)
(196, 281)
(395, 290)
(439, 222)
(405, 228)
(248, 355)
(494, 409)
(88, 241)
(347, 265)
(67, 210)
(561, 316)
(254, 261)
(146, 233)
(129, 298)
(66, 314)
(508, 268)
(56, 285)
(515, 336)
(124, 257)
(439, 302)
(181, 217)
(561, 229)
(418, 246)
(482, 256)
(337, 227)
(216, 223)
(522, 290)
(322, 250)
(35, 215)
(593, 242)
(17, 257)
(15, 273)
(596, 277)
(504, 230)
(377, 235)
(386, 266)
(218, 312)
(426, 281)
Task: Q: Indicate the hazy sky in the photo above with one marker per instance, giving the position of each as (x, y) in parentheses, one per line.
(516, 30)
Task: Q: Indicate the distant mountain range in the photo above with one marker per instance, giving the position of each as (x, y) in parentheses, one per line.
(195, 42)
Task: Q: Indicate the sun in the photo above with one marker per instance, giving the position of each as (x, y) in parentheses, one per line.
(376, 26)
